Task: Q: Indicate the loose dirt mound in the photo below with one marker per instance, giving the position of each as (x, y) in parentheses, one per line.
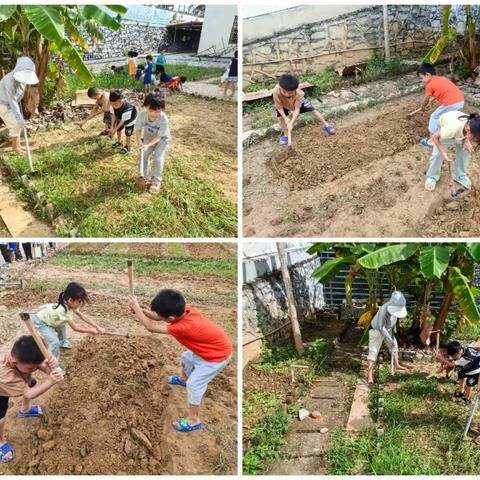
(112, 415)
(322, 159)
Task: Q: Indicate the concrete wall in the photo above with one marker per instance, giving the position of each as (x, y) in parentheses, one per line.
(346, 39)
(217, 27)
(273, 23)
(264, 303)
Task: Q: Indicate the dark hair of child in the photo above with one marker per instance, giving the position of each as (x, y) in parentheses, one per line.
(425, 68)
(183, 79)
(155, 100)
(132, 54)
(149, 57)
(92, 91)
(25, 350)
(73, 291)
(288, 82)
(443, 344)
(168, 303)
(454, 347)
(115, 95)
(474, 124)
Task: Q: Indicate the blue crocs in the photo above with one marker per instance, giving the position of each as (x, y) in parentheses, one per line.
(284, 140)
(176, 380)
(181, 425)
(330, 129)
(4, 450)
(425, 143)
(35, 411)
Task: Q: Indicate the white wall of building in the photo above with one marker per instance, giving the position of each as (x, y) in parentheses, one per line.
(271, 23)
(217, 26)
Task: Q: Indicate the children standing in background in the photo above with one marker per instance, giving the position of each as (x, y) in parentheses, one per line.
(52, 319)
(153, 123)
(160, 62)
(12, 90)
(232, 78)
(208, 347)
(447, 94)
(288, 97)
(132, 63)
(16, 369)
(125, 114)
(148, 76)
(102, 105)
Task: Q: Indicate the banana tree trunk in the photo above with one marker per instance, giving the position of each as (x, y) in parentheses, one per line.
(41, 64)
(443, 312)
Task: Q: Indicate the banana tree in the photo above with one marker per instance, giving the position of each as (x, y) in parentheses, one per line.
(464, 45)
(431, 267)
(41, 30)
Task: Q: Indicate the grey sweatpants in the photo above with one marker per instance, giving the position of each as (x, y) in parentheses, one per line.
(158, 151)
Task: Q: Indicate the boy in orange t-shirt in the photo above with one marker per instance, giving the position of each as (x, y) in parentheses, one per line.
(16, 380)
(209, 348)
(447, 94)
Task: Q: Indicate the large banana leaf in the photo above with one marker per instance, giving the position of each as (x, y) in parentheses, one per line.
(75, 35)
(6, 11)
(463, 295)
(93, 31)
(434, 260)
(329, 270)
(474, 250)
(120, 9)
(434, 54)
(92, 12)
(47, 20)
(74, 60)
(387, 255)
(320, 247)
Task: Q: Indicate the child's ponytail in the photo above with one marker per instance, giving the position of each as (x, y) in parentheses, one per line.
(61, 301)
(73, 291)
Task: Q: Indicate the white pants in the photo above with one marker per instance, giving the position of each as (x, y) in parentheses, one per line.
(200, 373)
(375, 340)
(11, 122)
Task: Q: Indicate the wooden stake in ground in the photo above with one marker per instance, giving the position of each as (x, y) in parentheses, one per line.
(130, 277)
(38, 339)
(392, 368)
(292, 310)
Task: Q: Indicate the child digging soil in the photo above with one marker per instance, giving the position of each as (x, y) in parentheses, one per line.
(16, 380)
(288, 97)
(209, 348)
(102, 105)
(52, 319)
(125, 115)
(156, 135)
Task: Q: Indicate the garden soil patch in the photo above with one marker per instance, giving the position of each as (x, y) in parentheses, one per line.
(367, 180)
(112, 415)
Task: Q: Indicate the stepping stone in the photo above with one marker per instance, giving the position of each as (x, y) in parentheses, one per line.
(297, 466)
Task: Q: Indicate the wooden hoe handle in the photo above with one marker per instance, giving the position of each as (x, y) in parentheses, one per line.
(130, 277)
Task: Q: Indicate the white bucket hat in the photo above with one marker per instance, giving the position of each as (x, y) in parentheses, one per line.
(397, 305)
(24, 71)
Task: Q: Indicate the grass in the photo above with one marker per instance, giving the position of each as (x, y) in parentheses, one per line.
(147, 263)
(108, 81)
(94, 189)
(423, 435)
(377, 68)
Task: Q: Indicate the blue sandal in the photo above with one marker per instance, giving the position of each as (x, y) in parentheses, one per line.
(425, 143)
(35, 411)
(284, 140)
(4, 450)
(459, 192)
(184, 426)
(175, 380)
(330, 129)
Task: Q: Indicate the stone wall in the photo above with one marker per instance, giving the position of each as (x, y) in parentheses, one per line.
(344, 40)
(264, 302)
(132, 36)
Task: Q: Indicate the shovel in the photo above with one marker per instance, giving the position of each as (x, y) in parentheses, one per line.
(411, 114)
(289, 137)
(27, 148)
(470, 418)
(392, 368)
(119, 334)
(130, 277)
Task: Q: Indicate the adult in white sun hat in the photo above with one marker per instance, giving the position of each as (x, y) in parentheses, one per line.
(12, 90)
(382, 329)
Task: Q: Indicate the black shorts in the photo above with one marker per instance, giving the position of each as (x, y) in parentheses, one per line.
(128, 130)
(472, 380)
(107, 118)
(159, 69)
(4, 401)
(307, 106)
